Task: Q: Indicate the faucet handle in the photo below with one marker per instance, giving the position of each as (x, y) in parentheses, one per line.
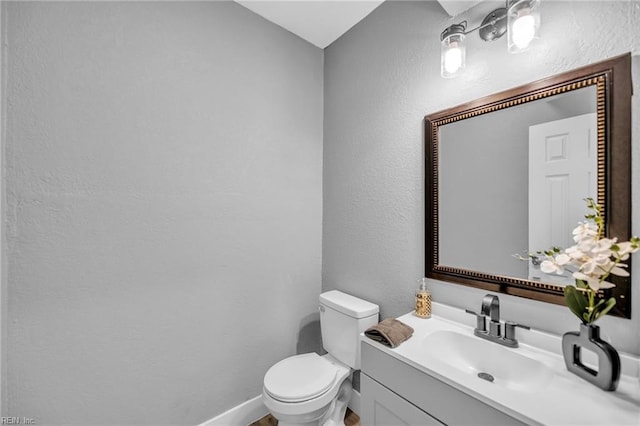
(510, 329)
(480, 321)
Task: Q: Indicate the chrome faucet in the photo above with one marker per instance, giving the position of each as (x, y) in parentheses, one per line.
(491, 308)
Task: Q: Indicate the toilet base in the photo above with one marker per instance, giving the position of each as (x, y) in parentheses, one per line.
(333, 416)
(308, 420)
(315, 423)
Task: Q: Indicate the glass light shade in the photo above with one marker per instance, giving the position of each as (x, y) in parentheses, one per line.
(523, 23)
(452, 55)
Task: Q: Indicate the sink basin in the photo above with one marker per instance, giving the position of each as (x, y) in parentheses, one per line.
(484, 360)
(530, 383)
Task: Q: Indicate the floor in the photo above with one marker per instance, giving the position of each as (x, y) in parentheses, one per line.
(350, 419)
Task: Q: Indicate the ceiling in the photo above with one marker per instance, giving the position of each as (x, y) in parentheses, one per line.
(321, 22)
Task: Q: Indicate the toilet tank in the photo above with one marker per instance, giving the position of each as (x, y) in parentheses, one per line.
(342, 318)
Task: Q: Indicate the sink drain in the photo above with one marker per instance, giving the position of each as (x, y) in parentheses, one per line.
(486, 376)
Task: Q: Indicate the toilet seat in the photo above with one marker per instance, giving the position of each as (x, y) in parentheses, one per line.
(300, 378)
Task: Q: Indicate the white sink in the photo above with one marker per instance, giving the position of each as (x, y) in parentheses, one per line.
(528, 382)
(484, 360)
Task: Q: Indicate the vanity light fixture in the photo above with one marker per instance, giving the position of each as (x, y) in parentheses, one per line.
(452, 52)
(523, 18)
(520, 19)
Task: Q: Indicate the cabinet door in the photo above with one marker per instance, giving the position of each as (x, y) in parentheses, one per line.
(381, 407)
(440, 400)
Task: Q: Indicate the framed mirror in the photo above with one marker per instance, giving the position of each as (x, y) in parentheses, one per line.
(508, 174)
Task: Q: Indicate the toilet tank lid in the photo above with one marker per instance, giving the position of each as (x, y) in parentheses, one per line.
(349, 305)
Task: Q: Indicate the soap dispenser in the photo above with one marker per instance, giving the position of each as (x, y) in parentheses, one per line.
(423, 300)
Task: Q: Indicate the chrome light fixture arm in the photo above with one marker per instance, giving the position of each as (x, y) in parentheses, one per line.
(519, 19)
(493, 26)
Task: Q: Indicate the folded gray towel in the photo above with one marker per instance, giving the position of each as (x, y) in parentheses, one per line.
(390, 332)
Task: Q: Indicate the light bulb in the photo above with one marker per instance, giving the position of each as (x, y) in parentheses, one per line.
(452, 55)
(453, 59)
(523, 24)
(524, 30)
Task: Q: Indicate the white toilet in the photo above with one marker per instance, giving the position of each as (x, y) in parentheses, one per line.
(310, 389)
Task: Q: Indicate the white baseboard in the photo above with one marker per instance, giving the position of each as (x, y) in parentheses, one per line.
(241, 415)
(354, 403)
(253, 409)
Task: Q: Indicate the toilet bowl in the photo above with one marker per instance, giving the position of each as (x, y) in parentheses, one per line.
(314, 390)
(307, 389)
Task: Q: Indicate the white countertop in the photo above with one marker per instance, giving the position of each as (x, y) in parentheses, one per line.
(565, 400)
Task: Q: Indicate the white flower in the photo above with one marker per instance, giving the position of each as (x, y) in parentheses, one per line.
(586, 246)
(597, 265)
(575, 253)
(593, 259)
(550, 267)
(625, 249)
(585, 230)
(593, 282)
(555, 265)
(603, 246)
(619, 270)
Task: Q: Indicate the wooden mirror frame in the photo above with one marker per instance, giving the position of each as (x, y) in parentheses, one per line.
(612, 79)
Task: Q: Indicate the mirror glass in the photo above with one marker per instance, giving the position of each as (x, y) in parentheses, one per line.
(528, 169)
(507, 175)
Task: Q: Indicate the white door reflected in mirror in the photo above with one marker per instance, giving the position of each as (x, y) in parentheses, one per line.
(562, 173)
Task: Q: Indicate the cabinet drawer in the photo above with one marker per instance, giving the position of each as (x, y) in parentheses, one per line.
(439, 399)
(381, 407)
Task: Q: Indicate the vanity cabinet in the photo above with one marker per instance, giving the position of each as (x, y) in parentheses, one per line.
(381, 407)
(396, 393)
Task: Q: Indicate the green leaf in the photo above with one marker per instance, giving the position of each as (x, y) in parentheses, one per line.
(606, 307)
(581, 284)
(576, 302)
(593, 314)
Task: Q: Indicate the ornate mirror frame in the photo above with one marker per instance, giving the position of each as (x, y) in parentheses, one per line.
(612, 79)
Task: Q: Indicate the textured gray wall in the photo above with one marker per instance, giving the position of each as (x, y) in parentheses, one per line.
(381, 79)
(3, 251)
(163, 168)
